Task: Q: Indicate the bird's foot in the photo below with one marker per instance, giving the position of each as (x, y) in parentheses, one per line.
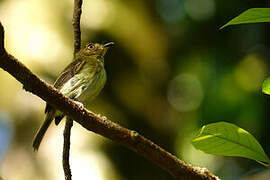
(101, 116)
(79, 104)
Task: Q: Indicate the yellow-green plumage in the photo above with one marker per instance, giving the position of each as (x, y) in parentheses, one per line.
(81, 80)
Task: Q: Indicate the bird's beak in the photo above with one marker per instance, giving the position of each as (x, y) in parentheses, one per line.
(108, 44)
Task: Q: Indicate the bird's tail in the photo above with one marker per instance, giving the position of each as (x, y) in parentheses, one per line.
(42, 130)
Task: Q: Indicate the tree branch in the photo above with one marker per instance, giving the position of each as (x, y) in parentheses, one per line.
(77, 11)
(100, 125)
(69, 122)
(66, 149)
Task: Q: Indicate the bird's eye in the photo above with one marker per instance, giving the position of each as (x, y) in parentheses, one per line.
(91, 46)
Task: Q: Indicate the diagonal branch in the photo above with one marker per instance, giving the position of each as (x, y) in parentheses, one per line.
(99, 125)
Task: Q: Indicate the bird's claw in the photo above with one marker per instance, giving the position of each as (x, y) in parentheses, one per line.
(79, 104)
(101, 116)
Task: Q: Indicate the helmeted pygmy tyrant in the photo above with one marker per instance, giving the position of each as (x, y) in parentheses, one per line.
(81, 80)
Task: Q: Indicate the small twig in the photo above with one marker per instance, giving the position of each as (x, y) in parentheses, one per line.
(66, 149)
(102, 126)
(77, 11)
(69, 122)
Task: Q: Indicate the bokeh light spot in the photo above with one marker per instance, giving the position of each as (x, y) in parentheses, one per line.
(42, 44)
(29, 33)
(250, 73)
(96, 14)
(6, 132)
(200, 9)
(170, 10)
(185, 93)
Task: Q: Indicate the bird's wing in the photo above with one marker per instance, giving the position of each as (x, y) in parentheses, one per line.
(72, 69)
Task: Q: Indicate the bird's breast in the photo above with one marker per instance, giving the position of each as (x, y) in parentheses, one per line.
(86, 84)
(92, 84)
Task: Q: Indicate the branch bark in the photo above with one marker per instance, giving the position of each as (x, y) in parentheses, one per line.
(100, 125)
(77, 11)
(66, 149)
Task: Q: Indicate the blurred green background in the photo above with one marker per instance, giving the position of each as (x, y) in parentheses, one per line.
(171, 71)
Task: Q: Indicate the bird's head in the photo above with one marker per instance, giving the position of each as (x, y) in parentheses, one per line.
(95, 50)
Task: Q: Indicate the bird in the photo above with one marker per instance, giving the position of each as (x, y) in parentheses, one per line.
(81, 80)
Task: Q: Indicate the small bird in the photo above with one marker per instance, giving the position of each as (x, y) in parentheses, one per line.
(81, 80)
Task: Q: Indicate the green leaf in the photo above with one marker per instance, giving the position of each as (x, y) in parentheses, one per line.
(266, 86)
(253, 15)
(227, 139)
